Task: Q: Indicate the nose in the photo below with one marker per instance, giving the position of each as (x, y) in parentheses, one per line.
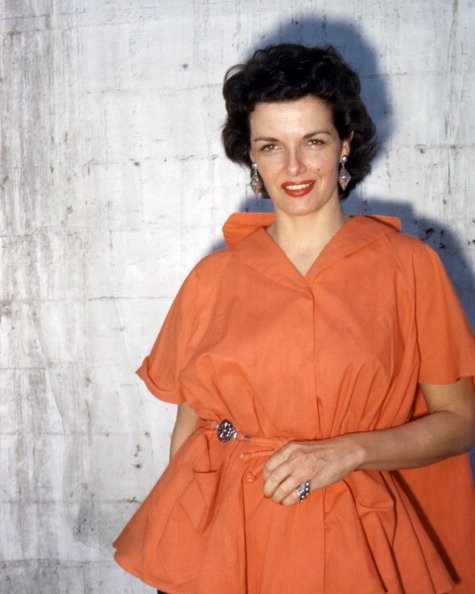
(294, 164)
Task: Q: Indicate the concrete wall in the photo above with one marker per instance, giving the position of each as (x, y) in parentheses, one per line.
(114, 184)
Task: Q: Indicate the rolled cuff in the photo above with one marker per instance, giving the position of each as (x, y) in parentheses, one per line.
(172, 396)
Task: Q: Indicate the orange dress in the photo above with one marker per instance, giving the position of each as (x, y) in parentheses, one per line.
(284, 358)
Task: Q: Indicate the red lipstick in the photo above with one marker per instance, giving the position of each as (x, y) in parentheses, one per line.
(299, 188)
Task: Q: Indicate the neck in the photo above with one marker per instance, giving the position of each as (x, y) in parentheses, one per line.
(306, 234)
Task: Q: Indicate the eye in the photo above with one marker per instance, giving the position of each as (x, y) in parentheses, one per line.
(267, 148)
(315, 142)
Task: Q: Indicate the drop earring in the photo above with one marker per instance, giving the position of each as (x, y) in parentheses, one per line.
(344, 176)
(256, 181)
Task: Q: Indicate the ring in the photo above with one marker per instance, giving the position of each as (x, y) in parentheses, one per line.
(304, 490)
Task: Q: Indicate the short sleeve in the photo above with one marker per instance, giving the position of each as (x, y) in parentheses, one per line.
(160, 369)
(445, 340)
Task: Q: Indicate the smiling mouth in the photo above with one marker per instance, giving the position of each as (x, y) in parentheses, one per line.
(298, 190)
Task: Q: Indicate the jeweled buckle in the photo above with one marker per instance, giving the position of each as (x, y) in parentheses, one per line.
(226, 431)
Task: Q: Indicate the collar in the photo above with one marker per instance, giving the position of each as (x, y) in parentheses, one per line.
(247, 237)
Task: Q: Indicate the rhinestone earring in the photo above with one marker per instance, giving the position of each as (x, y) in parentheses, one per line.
(256, 181)
(344, 176)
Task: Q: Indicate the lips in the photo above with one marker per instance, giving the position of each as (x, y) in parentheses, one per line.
(298, 189)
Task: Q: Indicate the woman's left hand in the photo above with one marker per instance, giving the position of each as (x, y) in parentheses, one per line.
(323, 462)
(447, 430)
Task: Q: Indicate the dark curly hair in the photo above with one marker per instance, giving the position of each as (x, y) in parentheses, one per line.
(289, 71)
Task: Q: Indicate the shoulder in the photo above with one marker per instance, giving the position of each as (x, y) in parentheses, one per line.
(393, 247)
(417, 263)
(411, 251)
(206, 274)
(211, 266)
(399, 253)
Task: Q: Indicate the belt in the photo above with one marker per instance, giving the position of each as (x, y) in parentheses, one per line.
(262, 447)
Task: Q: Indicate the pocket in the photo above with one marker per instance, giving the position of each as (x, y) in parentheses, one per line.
(180, 548)
(183, 541)
(199, 500)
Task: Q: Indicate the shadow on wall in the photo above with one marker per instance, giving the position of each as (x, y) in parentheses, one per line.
(349, 40)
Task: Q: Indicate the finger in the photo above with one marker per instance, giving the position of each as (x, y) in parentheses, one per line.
(294, 496)
(275, 478)
(287, 491)
(278, 458)
(265, 474)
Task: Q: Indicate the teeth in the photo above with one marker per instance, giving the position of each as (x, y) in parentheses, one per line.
(298, 186)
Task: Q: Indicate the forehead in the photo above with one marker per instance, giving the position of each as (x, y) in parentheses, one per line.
(300, 115)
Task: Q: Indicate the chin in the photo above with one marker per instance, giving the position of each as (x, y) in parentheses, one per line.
(301, 206)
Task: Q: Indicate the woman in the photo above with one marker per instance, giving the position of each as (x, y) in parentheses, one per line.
(311, 358)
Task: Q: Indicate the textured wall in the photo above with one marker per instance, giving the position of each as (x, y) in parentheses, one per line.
(114, 184)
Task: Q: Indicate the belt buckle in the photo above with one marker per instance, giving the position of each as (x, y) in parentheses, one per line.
(226, 431)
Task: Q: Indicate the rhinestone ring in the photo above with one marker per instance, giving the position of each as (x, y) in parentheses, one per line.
(304, 490)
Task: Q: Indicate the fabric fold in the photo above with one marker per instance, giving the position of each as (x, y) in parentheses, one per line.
(363, 516)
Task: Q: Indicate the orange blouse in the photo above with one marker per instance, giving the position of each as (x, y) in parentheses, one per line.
(286, 357)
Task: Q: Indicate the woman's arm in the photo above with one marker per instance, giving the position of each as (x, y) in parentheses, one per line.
(447, 430)
(184, 426)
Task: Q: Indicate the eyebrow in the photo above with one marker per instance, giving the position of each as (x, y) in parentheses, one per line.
(309, 135)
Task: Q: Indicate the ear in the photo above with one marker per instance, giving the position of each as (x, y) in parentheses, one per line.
(346, 145)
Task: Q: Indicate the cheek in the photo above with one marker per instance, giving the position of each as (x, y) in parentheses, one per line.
(322, 163)
(329, 167)
(269, 169)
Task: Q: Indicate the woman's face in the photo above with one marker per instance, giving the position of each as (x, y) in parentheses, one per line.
(298, 151)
